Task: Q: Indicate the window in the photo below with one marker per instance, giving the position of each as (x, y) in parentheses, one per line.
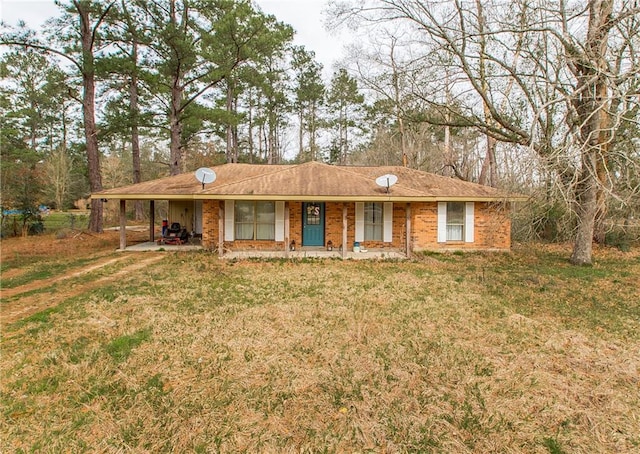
(314, 211)
(373, 221)
(255, 220)
(455, 221)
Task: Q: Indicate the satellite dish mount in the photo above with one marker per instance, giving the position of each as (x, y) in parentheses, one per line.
(205, 175)
(386, 181)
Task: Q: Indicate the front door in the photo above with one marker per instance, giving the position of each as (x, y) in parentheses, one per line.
(313, 224)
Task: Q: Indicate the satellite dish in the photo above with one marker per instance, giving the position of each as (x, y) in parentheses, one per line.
(386, 181)
(205, 175)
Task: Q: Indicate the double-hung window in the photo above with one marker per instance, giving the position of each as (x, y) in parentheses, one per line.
(373, 221)
(455, 221)
(255, 220)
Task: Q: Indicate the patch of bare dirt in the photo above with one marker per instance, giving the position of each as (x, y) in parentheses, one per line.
(23, 307)
(41, 283)
(70, 244)
(32, 250)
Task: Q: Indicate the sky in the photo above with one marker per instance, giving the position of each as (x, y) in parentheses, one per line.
(305, 16)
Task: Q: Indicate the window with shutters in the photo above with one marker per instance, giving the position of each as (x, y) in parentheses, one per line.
(455, 221)
(255, 220)
(373, 221)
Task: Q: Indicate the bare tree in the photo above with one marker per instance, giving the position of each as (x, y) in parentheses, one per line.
(58, 170)
(557, 77)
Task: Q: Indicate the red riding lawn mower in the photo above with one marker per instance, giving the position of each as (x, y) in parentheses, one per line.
(175, 234)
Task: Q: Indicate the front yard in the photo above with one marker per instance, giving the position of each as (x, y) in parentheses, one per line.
(515, 352)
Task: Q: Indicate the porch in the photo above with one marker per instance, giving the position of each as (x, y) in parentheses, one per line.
(302, 253)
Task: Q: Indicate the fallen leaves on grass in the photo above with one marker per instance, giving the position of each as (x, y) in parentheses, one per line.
(434, 355)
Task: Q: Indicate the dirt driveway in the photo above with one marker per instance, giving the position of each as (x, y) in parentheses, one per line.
(22, 255)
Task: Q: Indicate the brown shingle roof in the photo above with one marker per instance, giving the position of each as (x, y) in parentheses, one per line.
(308, 181)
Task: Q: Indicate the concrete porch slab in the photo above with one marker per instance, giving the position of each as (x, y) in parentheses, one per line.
(253, 254)
(317, 253)
(153, 246)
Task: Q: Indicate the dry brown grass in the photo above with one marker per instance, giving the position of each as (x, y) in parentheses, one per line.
(475, 353)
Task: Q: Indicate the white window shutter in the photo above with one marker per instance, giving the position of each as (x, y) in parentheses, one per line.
(229, 220)
(359, 221)
(387, 218)
(442, 222)
(279, 221)
(468, 222)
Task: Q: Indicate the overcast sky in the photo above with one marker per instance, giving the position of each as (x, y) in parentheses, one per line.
(305, 16)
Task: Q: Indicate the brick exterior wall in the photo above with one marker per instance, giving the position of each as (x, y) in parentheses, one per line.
(492, 228)
(295, 223)
(210, 217)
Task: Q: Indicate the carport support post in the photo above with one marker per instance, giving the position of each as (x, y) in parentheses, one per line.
(123, 224)
(344, 230)
(152, 220)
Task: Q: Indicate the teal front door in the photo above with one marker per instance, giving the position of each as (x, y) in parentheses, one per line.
(313, 224)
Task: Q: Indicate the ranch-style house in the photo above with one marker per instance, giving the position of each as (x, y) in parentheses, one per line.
(251, 207)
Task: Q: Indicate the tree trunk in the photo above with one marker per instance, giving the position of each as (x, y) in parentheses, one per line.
(488, 176)
(175, 109)
(586, 208)
(88, 108)
(271, 144)
(595, 127)
(301, 135)
(344, 145)
(488, 172)
(250, 128)
(175, 125)
(232, 155)
(135, 139)
(312, 131)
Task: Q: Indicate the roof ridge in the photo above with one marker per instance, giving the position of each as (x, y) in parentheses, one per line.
(293, 167)
(280, 168)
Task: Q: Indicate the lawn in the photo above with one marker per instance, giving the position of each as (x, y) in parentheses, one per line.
(471, 352)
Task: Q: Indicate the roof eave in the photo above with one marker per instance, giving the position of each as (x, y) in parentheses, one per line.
(308, 198)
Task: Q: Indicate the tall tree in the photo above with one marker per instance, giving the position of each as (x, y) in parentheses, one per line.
(36, 94)
(346, 103)
(195, 45)
(90, 16)
(275, 108)
(19, 130)
(78, 30)
(309, 92)
(58, 168)
(26, 77)
(123, 73)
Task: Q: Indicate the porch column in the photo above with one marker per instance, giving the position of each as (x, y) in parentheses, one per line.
(220, 228)
(287, 228)
(344, 230)
(123, 224)
(152, 220)
(408, 229)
